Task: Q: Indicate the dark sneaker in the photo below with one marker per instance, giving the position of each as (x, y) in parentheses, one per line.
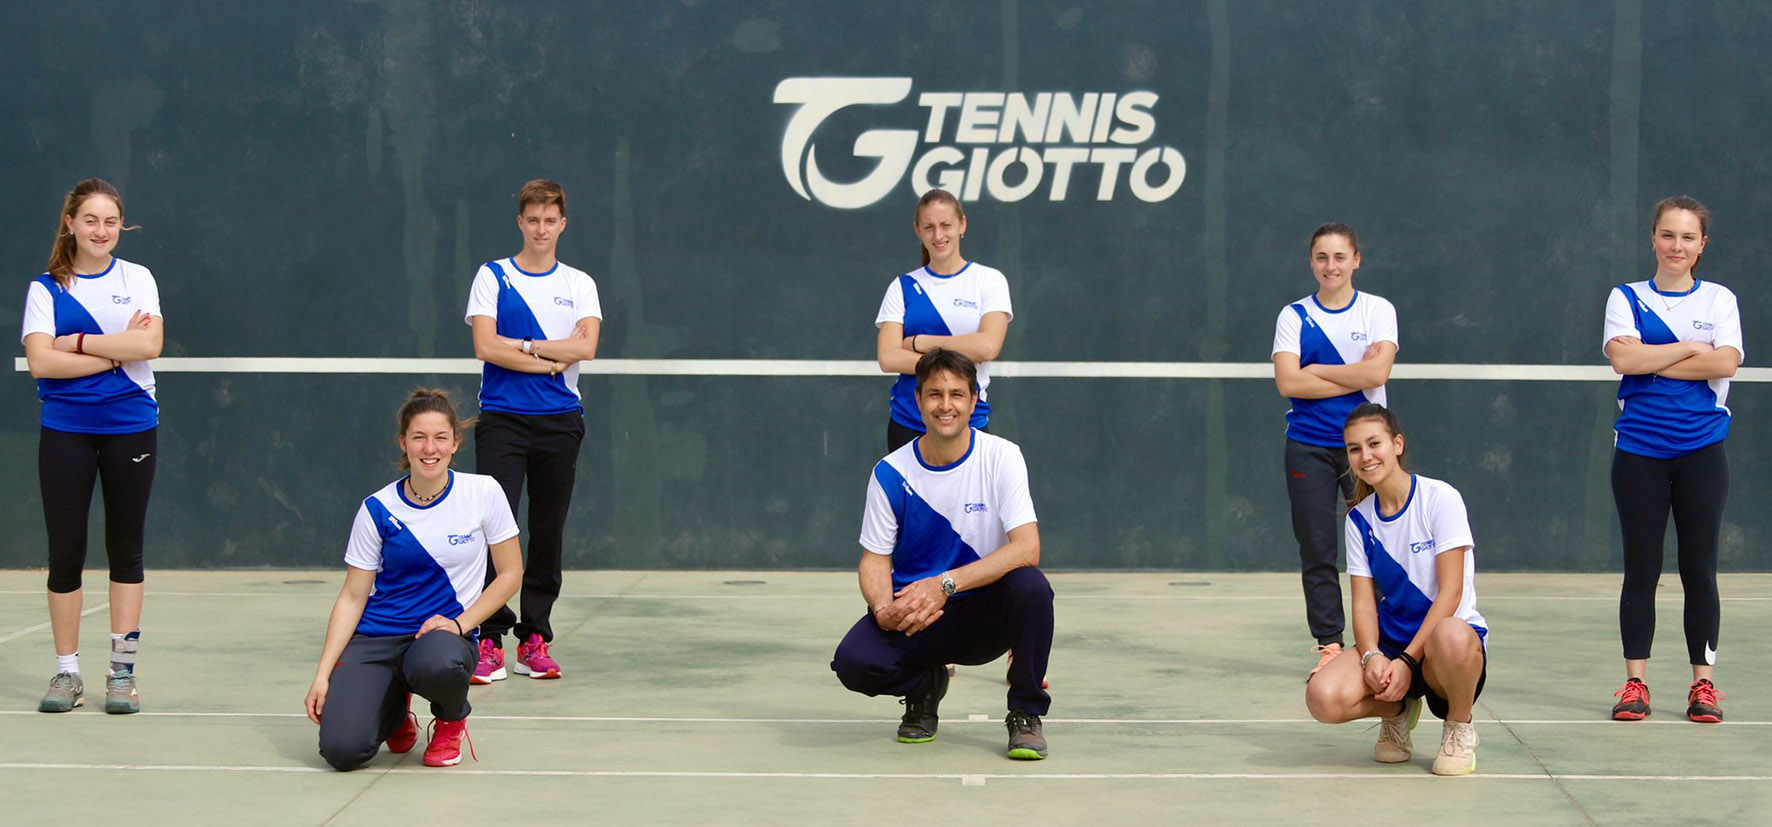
(1633, 701)
(66, 691)
(920, 718)
(120, 695)
(1701, 702)
(1027, 742)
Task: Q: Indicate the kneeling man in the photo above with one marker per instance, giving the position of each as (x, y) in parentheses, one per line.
(950, 547)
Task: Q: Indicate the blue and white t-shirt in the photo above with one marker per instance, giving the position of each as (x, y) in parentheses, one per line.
(1398, 553)
(1661, 417)
(1331, 337)
(118, 401)
(540, 306)
(934, 518)
(929, 304)
(428, 559)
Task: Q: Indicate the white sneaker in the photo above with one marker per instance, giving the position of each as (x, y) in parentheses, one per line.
(1458, 749)
(1393, 745)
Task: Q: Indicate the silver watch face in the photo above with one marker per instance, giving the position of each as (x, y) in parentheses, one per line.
(947, 586)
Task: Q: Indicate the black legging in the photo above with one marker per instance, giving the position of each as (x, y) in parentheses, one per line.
(67, 465)
(1694, 487)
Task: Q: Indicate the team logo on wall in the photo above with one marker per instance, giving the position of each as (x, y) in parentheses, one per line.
(1003, 145)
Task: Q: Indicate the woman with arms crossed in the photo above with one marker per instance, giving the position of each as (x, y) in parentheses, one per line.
(92, 322)
(948, 303)
(1332, 352)
(1409, 538)
(412, 596)
(1675, 339)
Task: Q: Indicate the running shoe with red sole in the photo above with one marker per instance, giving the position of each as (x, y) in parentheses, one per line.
(1702, 700)
(1633, 701)
(491, 666)
(533, 660)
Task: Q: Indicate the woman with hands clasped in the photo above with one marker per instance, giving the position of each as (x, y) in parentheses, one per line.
(1408, 537)
(404, 622)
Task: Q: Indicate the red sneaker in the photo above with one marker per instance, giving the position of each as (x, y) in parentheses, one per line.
(405, 737)
(1701, 702)
(445, 747)
(533, 660)
(1633, 701)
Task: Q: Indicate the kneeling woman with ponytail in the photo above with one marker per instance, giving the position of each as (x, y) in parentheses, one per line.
(412, 596)
(1408, 534)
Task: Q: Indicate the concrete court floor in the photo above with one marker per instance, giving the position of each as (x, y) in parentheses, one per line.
(692, 699)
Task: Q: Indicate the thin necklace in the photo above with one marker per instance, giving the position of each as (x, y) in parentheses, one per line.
(420, 497)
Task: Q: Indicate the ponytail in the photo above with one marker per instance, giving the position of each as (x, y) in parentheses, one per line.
(61, 253)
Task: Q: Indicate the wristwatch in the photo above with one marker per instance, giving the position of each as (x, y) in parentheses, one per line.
(947, 585)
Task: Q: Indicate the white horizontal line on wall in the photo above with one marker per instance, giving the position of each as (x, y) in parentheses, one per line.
(836, 367)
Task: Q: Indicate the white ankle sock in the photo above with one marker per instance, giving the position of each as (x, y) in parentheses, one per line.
(67, 663)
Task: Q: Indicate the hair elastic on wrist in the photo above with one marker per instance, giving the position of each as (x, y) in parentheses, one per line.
(1409, 659)
(458, 629)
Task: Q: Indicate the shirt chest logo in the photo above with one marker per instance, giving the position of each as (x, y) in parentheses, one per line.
(974, 508)
(562, 301)
(116, 299)
(1358, 336)
(1424, 545)
(971, 305)
(461, 539)
(1705, 326)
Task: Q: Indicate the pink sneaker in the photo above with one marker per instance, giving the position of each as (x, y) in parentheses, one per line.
(491, 666)
(406, 736)
(533, 660)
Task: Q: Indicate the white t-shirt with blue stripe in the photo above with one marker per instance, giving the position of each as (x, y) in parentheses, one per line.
(932, 519)
(1320, 336)
(119, 401)
(429, 559)
(540, 306)
(1398, 553)
(929, 304)
(1661, 417)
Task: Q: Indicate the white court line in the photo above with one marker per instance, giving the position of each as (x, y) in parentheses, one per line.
(994, 722)
(1675, 598)
(838, 367)
(969, 779)
(45, 624)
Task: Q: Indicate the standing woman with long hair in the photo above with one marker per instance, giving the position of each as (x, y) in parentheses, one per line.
(1333, 351)
(404, 622)
(92, 322)
(1675, 340)
(947, 303)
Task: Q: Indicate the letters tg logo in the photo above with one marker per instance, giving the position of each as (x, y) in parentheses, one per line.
(1048, 136)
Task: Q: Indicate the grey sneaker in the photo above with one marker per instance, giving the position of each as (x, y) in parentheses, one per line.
(921, 714)
(66, 691)
(1027, 742)
(120, 695)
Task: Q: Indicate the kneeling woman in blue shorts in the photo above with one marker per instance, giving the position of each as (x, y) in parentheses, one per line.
(1409, 535)
(403, 622)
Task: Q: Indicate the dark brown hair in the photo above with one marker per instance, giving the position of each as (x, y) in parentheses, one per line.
(1689, 204)
(1335, 228)
(423, 401)
(950, 361)
(936, 196)
(541, 191)
(1373, 410)
(61, 254)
